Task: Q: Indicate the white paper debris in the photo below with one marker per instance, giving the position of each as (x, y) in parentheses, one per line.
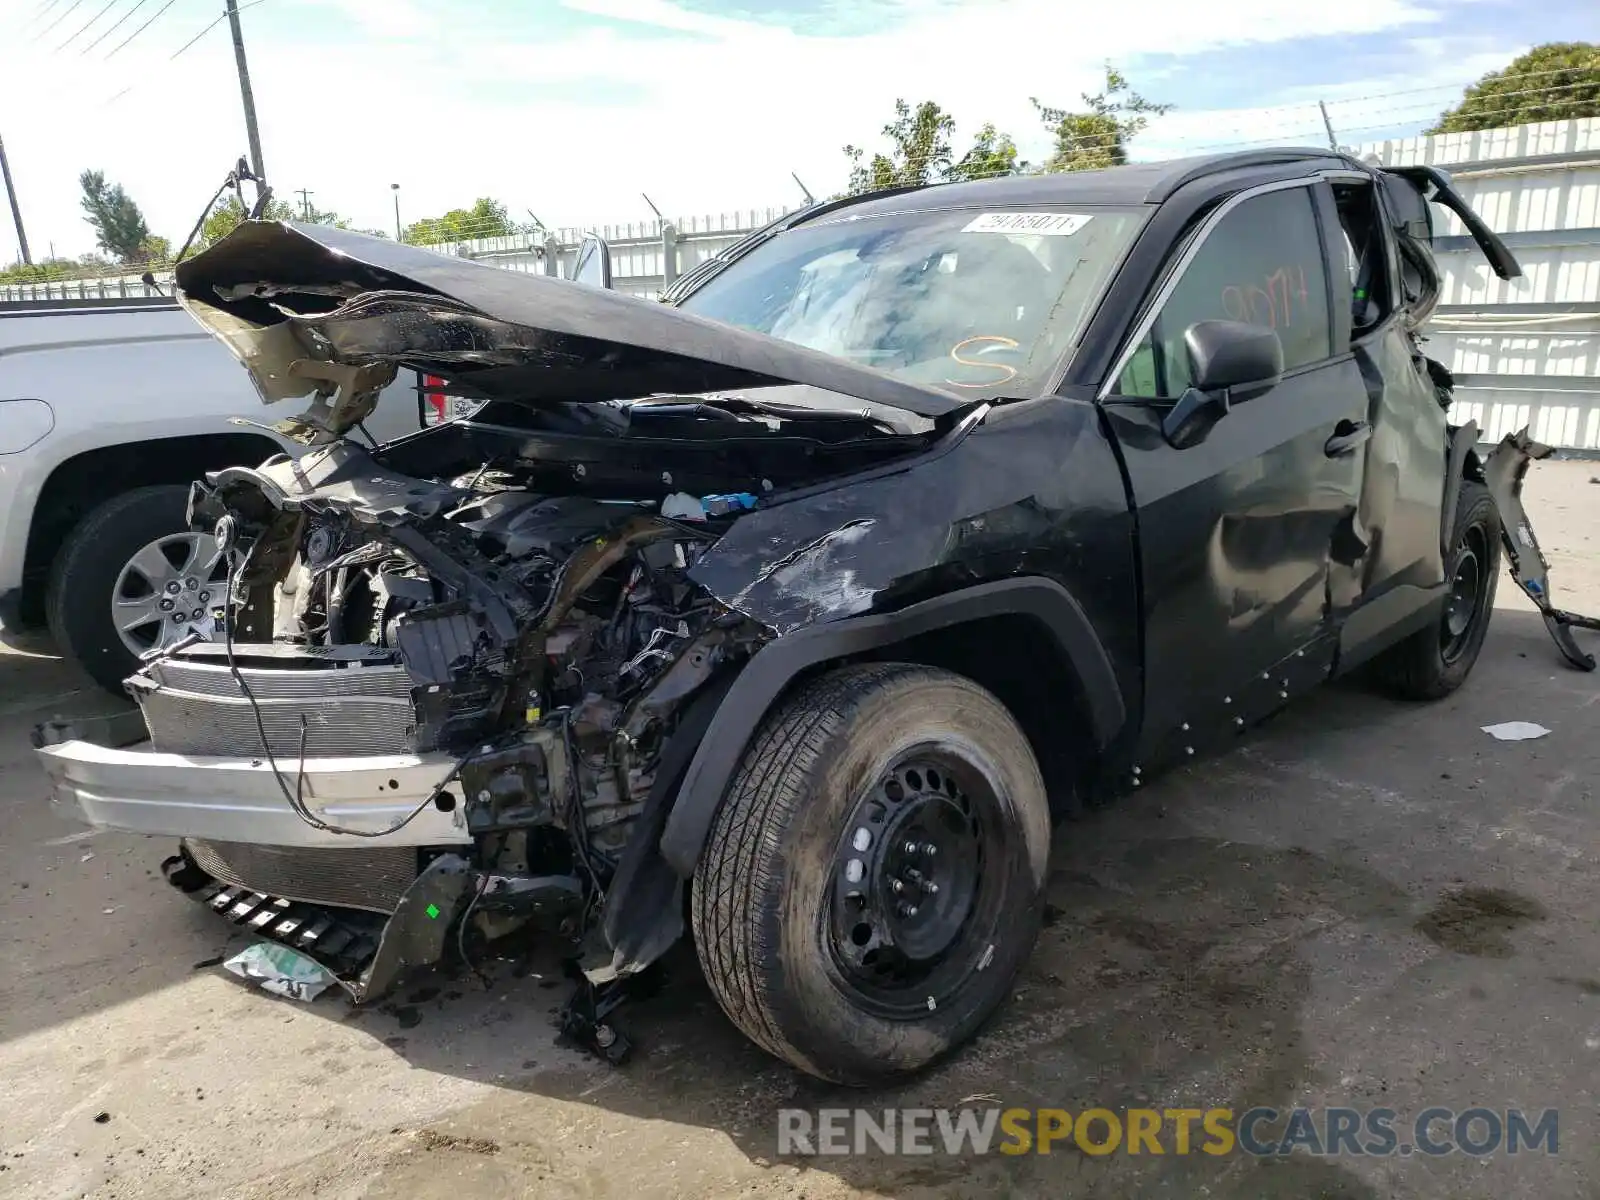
(86, 858)
(1515, 731)
(680, 506)
(281, 971)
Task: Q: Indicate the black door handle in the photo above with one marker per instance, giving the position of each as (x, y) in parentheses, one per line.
(1347, 435)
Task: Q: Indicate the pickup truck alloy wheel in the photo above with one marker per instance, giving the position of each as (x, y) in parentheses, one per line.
(131, 578)
(874, 877)
(167, 591)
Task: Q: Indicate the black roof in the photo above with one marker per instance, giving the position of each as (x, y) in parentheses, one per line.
(1136, 183)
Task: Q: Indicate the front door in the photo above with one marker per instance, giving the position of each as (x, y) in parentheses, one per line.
(1248, 538)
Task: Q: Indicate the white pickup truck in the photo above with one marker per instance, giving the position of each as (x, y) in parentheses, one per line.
(108, 410)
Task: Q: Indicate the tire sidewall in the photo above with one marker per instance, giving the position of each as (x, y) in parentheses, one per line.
(820, 1019)
(1477, 508)
(93, 555)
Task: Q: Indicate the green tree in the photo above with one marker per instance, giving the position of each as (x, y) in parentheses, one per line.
(228, 213)
(993, 153)
(46, 271)
(119, 226)
(1559, 81)
(486, 218)
(921, 152)
(1098, 137)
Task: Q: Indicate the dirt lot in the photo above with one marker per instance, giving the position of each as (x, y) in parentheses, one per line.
(1363, 904)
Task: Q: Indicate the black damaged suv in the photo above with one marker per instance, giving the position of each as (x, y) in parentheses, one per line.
(792, 610)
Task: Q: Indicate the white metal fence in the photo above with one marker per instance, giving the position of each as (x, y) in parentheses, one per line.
(1524, 353)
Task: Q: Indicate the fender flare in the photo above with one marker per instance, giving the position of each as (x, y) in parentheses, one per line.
(1463, 440)
(776, 665)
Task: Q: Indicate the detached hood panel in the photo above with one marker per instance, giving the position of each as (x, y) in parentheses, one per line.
(279, 294)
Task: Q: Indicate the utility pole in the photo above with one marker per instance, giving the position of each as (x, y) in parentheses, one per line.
(16, 212)
(256, 164)
(395, 188)
(1327, 123)
(305, 202)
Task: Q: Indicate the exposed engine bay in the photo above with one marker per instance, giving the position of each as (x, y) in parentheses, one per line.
(548, 644)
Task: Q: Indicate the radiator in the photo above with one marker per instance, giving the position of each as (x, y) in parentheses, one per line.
(198, 708)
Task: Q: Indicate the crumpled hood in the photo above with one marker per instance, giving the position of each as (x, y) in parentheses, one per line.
(287, 298)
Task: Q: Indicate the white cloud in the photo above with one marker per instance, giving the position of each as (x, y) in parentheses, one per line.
(704, 123)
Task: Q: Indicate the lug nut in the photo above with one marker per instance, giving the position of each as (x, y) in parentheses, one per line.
(910, 847)
(205, 597)
(931, 888)
(166, 606)
(930, 849)
(191, 583)
(177, 618)
(199, 614)
(173, 588)
(911, 910)
(897, 886)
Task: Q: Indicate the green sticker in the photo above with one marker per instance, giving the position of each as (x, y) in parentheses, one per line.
(433, 911)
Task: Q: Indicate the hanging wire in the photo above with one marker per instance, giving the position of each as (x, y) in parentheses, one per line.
(116, 25)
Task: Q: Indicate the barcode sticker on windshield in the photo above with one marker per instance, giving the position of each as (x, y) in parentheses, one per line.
(1055, 224)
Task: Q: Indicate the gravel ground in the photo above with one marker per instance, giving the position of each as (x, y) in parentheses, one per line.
(1365, 903)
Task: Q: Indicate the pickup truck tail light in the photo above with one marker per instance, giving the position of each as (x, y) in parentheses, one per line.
(435, 404)
(438, 406)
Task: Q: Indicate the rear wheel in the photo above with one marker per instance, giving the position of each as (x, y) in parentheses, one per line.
(132, 577)
(1435, 661)
(872, 883)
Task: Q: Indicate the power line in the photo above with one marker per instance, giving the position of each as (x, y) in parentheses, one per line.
(85, 26)
(213, 25)
(141, 28)
(115, 25)
(201, 34)
(42, 10)
(73, 7)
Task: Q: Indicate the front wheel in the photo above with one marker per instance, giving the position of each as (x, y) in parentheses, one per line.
(1435, 661)
(873, 880)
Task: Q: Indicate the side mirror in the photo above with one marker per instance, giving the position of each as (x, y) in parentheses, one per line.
(594, 262)
(1230, 362)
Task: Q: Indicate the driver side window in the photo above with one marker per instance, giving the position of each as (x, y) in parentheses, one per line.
(1262, 264)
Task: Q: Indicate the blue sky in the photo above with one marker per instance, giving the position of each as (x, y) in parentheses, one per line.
(573, 108)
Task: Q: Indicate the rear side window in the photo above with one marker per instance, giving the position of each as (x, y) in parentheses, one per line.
(1263, 263)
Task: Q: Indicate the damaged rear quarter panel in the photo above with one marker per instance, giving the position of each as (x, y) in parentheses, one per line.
(1035, 489)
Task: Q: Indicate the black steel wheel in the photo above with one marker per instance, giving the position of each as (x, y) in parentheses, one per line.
(1435, 661)
(873, 879)
(1471, 587)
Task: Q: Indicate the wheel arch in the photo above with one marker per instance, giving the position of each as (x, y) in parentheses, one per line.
(1068, 650)
(78, 485)
(1462, 463)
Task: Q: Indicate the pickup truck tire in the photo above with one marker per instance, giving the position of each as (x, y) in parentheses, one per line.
(874, 878)
(1435, 661)
(78, 594)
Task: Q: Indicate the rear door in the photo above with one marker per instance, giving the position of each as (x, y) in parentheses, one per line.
(1249, 540)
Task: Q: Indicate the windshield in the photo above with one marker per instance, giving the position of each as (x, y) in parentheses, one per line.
(981, 302)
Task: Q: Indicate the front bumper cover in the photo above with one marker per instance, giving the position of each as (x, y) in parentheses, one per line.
(239, 800)
(1503, 473)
